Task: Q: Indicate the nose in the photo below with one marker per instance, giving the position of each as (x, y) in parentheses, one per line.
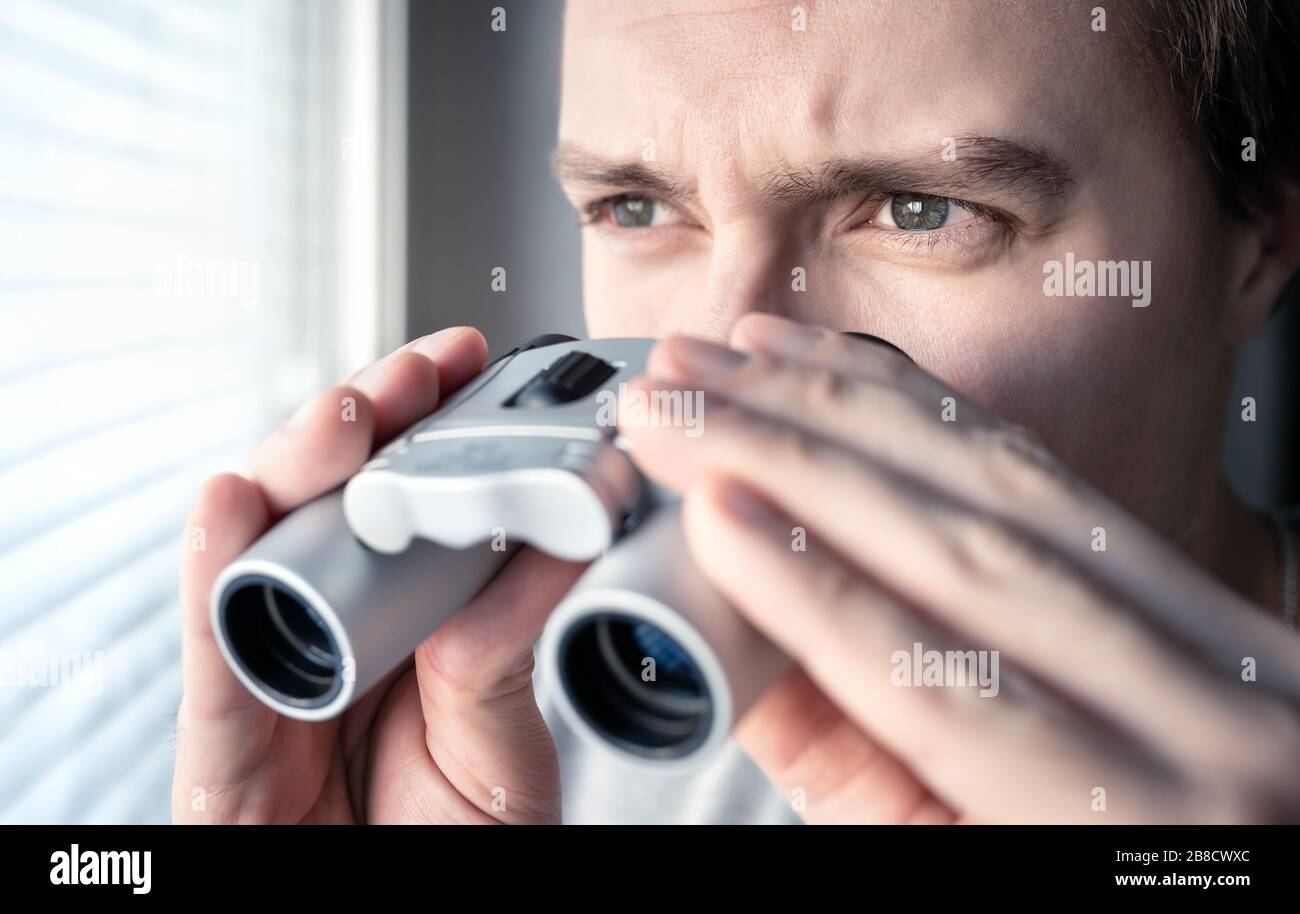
(752, 267)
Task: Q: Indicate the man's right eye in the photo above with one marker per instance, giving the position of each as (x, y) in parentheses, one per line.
(628, 211)
(633, 212)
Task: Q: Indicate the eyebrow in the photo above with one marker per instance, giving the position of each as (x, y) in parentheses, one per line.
(572, 165)
(981, 164)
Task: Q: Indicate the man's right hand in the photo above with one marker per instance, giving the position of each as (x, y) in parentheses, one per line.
(455, 735)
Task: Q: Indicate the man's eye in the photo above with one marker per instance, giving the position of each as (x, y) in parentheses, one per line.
(920, 213)
(633, 212)
(629, 211)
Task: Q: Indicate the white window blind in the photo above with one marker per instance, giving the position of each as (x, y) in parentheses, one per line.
(180, 186)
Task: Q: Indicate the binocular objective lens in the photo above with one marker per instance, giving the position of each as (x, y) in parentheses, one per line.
(636, 685)
(281, 643)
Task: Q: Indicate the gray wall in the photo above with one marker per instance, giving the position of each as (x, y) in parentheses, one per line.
(483, 115)
(483, 110)
(1262, 459)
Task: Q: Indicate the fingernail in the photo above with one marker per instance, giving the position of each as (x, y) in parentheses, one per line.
(435, 344)
(780, 336)
(702, 358)
(431, 346)
(745, 506)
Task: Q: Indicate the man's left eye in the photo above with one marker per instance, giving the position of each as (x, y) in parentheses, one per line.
(920, 213)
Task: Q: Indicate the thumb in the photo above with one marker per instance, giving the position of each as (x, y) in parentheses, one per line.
(483, 728)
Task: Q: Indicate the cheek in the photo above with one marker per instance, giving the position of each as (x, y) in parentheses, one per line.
(1106, 385)
(997, 340)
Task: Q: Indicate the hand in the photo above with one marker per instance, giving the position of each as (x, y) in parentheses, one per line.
(1120, 693)
(455, 736)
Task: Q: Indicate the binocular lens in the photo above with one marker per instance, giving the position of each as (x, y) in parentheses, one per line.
(636, 686)
(281, 642)
(664, 651)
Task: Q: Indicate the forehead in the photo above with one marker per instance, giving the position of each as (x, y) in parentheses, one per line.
(702, 76)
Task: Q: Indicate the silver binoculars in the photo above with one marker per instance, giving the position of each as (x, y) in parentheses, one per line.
(644, 655)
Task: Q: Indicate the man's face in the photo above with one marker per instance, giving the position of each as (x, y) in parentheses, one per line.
(907, 169)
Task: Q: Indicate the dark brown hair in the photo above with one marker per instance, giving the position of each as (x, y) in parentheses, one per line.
(1234, 68)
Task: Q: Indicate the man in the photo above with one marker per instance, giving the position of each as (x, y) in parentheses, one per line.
(964, 180)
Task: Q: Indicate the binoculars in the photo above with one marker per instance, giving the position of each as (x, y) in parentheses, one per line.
(644, 655)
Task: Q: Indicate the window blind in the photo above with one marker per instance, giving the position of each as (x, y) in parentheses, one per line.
(169, 243)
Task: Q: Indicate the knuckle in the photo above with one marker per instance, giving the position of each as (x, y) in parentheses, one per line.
(461, 666)
(1115, 639)
(1021, 470)
(836, 586)
(988, 552)
(760, 368)
(417, 367)
(222, 494)
(935, 718)
(345, 395)
(795, 446)
(827, 390)
(927, 714)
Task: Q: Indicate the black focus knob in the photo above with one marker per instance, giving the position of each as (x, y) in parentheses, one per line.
(572, 377)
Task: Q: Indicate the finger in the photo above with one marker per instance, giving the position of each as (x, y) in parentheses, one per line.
(221, 729)
(405, 385)
(404, 786)
(868, 361)
(332, 435)
(992, 746)
(1007, 471)
(320, 446)
(827, 766)
(406, 391)
(978, 576)
(227, 517)
(862, 396)
(483, 728)
(488, 639)
(459, 353)
(357, 725)
(311, 453)
(833, 388)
